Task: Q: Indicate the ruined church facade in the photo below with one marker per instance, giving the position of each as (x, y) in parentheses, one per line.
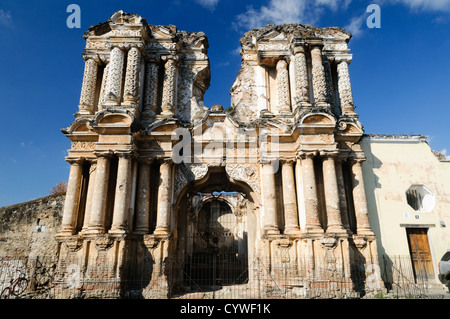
(165, 189)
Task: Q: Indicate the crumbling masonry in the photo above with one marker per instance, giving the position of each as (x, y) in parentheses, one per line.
(162, 188)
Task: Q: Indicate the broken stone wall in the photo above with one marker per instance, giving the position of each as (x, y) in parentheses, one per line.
(28, 229)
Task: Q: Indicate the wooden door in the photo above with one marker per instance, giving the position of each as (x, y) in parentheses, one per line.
(420, 253)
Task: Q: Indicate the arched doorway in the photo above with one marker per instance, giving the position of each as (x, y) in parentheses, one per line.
(217, 255)
(215, 226)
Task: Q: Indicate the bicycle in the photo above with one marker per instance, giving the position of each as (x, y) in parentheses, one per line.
(16, 287)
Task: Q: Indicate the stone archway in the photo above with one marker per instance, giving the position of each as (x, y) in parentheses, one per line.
(218, 252)
(214, 220)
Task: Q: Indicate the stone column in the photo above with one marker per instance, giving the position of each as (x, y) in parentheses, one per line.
(312, 222)
(300, 193)
(102, 97)
(332, 195)
(342, 195)
(143, 199)
(90, 193)
(318, 76)
(87, 98)
(283, 87)
(72, 201)
(132, 77)
(121, 199)
(151, 87)
(269, 199)
(359, 199)
(289, 198)
(164, 199)
(99, 197)
(169, 95)
(115, 74)
(301, 77)
(345, 87)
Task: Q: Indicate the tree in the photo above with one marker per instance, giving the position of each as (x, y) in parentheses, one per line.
(59, 188)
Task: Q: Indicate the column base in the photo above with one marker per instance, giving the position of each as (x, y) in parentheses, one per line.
(271, 230)
(94, 231)
(66, 233)
(141, 231)
(337, 229)
(117, 231)
(292, 231)
(161, 232)
(314, 230)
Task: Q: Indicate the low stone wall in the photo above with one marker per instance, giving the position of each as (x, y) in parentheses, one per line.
(28, 229)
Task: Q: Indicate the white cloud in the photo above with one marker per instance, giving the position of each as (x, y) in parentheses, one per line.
(444, 152)
(426, 5)
(355, 27)
(287, 11)
(209, 4)
(5, 18)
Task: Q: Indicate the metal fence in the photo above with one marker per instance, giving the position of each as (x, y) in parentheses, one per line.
(209, 277)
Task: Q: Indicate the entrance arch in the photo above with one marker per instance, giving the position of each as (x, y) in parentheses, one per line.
(214, 220)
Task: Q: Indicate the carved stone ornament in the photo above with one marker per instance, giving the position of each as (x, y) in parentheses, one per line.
(199, 170)
(245, 172)
(73, 243)
(103, 243)
(329, 242)
(360, 242)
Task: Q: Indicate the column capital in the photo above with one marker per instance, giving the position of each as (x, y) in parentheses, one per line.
(104, 154)
(170, 58)
(315, 44)
(75, 160)
(329, 154)
(126, 154)
(288, 161)
(93, 57)
(357, 160)
(307, 154)
(347, 58)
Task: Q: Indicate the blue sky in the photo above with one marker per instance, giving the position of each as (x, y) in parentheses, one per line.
(400, 72)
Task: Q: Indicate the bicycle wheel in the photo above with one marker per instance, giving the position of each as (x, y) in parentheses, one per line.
(20, 286)
(6, 293)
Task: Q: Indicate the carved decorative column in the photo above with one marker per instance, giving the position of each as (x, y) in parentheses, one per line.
(270, 219)
(345, 87)
(132, 77)
(115, 74)
(164, 199)
(284, 99)
(301, 77)
(328, 81)
(289, 198)
(332, 195)
(359, 199)
(151, 87)
(72, 201)
(102, 97)
(312, 223)
(318, 76)
(170, 86)
(143, 199)
(99, 197)
(87, 98)
(121, 199)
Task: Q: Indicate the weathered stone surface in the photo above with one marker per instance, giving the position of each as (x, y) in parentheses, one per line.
(29, 229)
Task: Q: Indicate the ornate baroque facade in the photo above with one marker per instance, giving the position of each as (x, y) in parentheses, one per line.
(157, 177)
